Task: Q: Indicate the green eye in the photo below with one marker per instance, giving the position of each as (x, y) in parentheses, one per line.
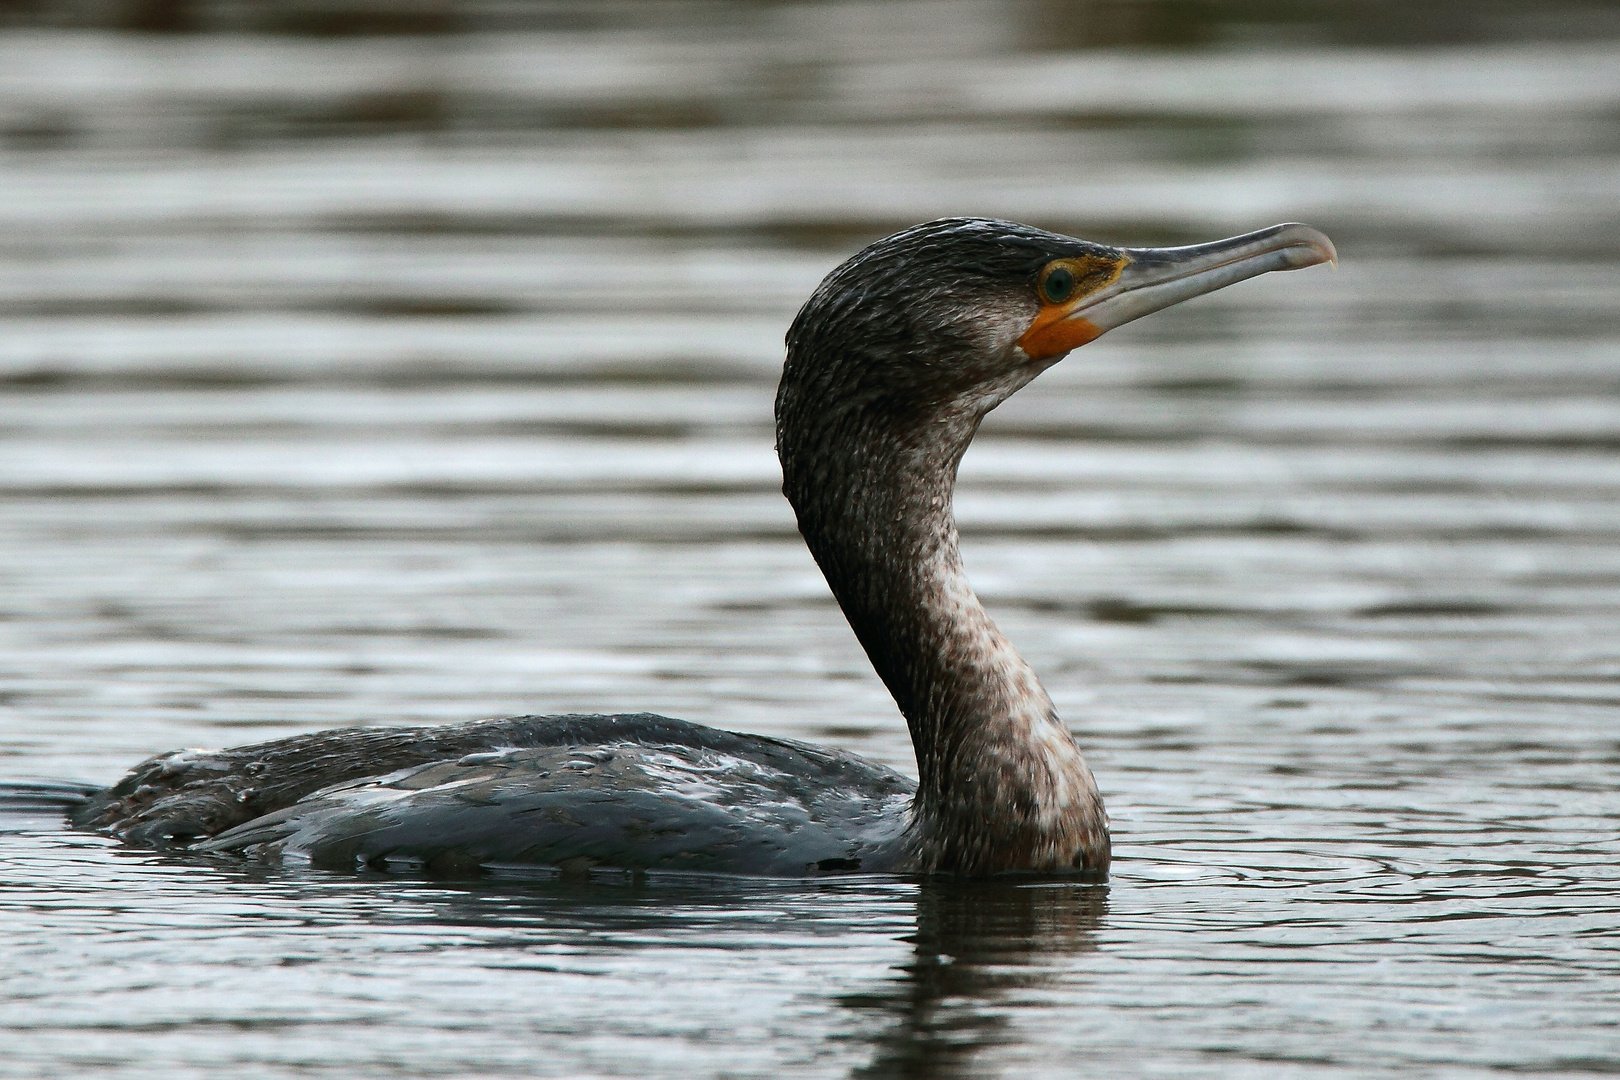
(1059, 284)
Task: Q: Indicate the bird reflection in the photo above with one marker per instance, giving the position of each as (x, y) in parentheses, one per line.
(976, 944)
(976, 948)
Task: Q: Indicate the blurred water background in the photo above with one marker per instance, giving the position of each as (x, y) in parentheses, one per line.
(402, 364)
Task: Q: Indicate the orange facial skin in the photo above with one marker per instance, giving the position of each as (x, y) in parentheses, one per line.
(1056, 329)
(1053, 332)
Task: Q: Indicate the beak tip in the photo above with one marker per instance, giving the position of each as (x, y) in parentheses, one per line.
(1313, 245)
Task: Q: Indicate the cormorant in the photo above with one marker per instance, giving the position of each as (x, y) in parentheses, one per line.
(891, 366)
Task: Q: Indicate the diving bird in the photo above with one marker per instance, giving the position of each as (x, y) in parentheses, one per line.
(891, 366)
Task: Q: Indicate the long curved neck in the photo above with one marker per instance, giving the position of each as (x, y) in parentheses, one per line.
(1002, 784)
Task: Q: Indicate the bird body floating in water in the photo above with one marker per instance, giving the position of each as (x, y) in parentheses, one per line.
(891, 366)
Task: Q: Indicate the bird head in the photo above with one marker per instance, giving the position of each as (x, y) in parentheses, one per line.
(953, 316)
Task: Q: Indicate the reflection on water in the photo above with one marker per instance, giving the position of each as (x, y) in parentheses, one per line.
(874, 977)
(977, 949)
(414, 363)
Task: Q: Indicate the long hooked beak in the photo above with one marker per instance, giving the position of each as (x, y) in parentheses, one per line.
(1151, 279)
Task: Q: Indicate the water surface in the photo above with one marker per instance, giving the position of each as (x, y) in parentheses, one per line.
(417, 368)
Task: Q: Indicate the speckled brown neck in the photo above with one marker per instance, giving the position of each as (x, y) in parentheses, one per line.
(1002, 784)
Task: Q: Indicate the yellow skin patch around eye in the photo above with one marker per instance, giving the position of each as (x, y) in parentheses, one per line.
(1055, 328)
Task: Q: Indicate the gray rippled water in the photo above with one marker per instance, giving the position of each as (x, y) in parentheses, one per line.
(414, 364)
